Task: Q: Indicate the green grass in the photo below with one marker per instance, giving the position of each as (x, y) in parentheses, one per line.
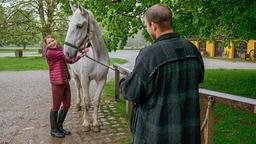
(13, 50)
(237, 82)
(233, 126)
(118, 61)
(22, 64)
(109, 95)
(34, 63)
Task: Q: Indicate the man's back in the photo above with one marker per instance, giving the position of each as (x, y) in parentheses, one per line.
(167, 106)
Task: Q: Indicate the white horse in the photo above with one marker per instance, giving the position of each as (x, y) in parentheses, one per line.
(83, 29)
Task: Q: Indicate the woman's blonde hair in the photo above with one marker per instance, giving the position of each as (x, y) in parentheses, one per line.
(45, 42)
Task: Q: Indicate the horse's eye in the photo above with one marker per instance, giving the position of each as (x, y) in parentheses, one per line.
(79, 26)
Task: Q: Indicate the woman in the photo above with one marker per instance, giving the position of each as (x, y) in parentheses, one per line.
(59, 78)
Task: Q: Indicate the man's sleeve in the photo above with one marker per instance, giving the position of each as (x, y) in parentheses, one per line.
(133, 87)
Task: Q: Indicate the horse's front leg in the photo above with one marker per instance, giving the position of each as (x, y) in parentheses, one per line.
(99, 87)
(85, 88)
(79, 92)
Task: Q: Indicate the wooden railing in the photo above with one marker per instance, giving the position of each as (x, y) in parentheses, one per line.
(207, 100)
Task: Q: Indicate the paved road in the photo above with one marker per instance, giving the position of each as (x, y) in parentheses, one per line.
(209, 63)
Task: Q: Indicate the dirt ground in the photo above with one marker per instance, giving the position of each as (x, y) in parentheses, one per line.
(25, 101)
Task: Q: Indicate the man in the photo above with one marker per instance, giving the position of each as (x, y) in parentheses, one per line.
(164, 85)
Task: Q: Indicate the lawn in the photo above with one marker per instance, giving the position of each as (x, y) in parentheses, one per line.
(237, 82)
(233, 126)
(13, 50)
(33, 63)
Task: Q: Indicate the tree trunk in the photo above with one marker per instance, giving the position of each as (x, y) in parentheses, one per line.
(24, 46)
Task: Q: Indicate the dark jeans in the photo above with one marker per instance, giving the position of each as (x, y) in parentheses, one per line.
(61, 94)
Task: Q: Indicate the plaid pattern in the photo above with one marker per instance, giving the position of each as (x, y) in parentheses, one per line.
(164, 88)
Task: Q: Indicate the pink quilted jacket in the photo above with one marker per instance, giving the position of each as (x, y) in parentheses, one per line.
(57, 63)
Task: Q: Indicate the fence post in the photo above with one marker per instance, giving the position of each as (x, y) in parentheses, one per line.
(18, 53)
(207, 119)
(129, 107)
(117, 78)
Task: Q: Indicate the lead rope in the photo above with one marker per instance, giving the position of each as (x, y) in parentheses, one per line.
(204, 127)
(103, 64)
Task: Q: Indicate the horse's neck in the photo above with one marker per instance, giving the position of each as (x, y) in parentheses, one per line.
(99, 51)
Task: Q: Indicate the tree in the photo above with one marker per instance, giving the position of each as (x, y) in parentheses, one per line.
(42, 17)
(203, 19)
(218, 19)
(118, 19)
(20, 30)
(2, 21)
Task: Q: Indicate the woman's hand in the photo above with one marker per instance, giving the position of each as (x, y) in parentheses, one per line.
(84, 50)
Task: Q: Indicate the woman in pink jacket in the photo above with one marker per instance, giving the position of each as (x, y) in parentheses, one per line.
(59, 78)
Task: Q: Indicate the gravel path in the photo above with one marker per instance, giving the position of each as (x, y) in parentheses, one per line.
(25, 103)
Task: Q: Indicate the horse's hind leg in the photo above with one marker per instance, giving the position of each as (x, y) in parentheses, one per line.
(79, 92)
(96, 100)
(85, 88)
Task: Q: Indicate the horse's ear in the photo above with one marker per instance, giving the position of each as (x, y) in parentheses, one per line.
(83, 11)
(92, 28)
(72, 7)
(80, 8)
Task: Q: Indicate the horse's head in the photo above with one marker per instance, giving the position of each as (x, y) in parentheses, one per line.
(77, 32)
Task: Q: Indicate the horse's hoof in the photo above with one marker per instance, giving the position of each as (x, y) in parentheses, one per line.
(86, 128)
(78, 107)
(96, 128)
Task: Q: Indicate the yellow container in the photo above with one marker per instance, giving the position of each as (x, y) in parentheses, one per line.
(210, 48)
(229, 51)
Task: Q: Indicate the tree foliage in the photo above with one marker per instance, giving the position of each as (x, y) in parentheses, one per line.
(203, 19)
(120, 19)
(19, 30)
(31, 20)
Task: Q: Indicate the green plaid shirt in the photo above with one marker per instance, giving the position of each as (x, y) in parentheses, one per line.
(164, 88)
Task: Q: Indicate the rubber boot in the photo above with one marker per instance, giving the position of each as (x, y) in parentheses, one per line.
(55, 132)
(61, 117)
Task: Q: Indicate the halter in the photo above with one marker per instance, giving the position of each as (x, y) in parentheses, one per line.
(88, 44)
(86, 39)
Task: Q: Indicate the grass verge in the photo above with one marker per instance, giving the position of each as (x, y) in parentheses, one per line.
(232, 126)
(34, 63)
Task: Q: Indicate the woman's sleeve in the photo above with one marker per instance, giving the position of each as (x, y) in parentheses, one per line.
(54, 56)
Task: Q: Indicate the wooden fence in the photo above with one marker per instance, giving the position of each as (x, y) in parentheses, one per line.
(207, 100)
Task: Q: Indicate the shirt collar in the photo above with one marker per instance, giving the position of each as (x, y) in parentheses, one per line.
(167, 36)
